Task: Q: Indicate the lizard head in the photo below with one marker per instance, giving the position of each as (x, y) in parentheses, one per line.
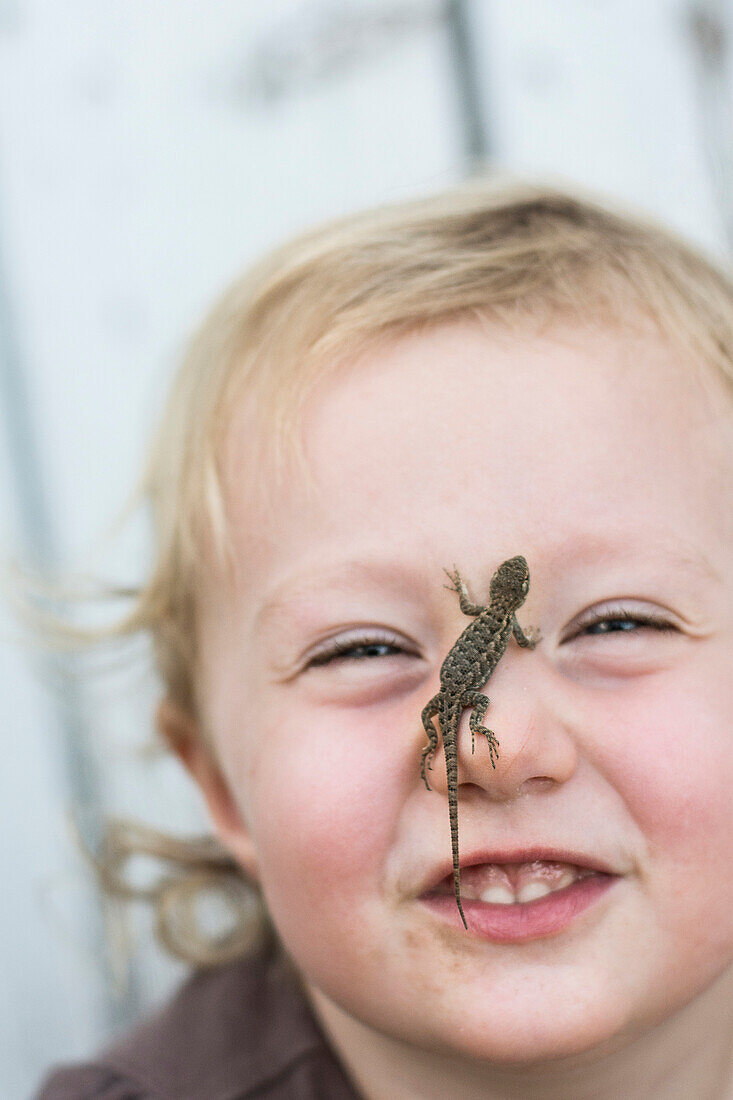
(510, 582)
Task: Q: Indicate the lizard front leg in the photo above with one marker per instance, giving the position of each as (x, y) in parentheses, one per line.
(527, 639)
(429, 711)
(459, 586)
(480, 704)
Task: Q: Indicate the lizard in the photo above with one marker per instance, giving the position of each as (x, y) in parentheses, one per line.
(467, 667)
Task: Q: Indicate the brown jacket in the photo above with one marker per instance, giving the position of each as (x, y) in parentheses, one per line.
(242, 1030)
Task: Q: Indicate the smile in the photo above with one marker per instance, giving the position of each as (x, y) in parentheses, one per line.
(513, 902)
(513, 883)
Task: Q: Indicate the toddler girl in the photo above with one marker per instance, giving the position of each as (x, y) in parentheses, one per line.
(445, 385)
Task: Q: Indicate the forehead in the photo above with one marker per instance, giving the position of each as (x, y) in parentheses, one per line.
(463, 435)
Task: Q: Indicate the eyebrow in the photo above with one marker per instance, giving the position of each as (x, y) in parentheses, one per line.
(595, 549)
(386, 575)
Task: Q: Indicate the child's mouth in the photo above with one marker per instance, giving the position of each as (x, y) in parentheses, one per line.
(513, 883)
(511, 902)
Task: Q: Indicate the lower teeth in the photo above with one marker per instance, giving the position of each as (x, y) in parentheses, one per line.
(503, 895)
(533, 890)
(498, 895)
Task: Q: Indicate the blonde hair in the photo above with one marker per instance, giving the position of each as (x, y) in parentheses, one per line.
(515, 255)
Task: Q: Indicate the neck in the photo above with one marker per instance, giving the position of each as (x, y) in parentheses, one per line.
(689, 1054)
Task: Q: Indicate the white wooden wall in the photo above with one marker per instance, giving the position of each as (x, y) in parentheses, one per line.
(148, 150)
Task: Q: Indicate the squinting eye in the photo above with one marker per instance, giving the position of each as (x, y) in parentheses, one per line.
(354, 649)
(605, 626)
(620, 621)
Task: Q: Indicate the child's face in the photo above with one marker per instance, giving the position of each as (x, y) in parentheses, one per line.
(606, 463)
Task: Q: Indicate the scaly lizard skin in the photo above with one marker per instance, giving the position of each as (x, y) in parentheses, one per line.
(467, 667)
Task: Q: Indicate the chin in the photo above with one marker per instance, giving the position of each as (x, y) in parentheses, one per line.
(566, 1036)
(507, 1027)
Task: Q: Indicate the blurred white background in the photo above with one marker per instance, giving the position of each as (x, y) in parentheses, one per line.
(148, 150)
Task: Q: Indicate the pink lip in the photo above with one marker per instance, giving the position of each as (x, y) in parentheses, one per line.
(526, 921)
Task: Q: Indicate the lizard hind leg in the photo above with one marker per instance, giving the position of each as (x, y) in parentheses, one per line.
(429, 711)
(480, 704)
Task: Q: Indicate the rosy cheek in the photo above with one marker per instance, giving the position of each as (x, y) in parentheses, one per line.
(674, 764)
(325, 798)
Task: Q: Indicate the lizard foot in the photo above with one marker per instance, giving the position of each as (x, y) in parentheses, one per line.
(492, 742)
(455, 578)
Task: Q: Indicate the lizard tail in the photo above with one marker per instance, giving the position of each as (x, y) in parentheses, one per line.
(450, 748)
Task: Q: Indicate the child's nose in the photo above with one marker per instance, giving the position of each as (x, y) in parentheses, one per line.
(536, 745)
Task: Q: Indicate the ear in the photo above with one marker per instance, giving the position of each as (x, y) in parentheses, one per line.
(184, 738)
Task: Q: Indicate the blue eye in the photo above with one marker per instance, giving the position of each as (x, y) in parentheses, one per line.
(606, 626)
(355, 649)
(622, 621)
